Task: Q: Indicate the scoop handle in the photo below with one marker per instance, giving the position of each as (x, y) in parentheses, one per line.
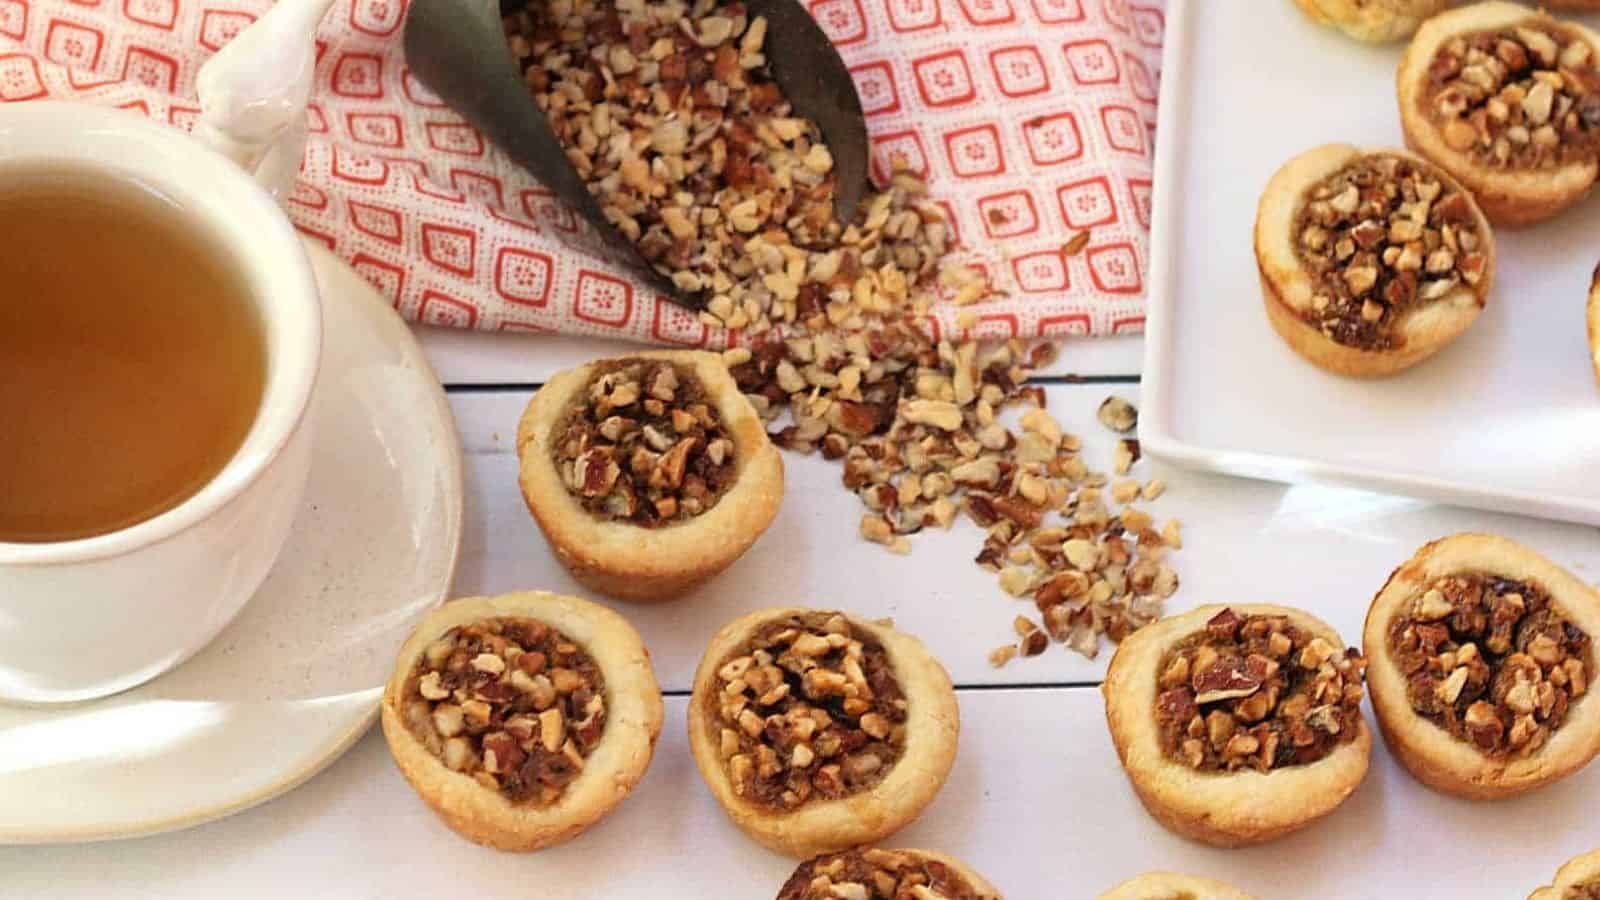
(253, 94)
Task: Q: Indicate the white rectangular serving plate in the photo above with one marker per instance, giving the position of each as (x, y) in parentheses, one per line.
(1507, 418)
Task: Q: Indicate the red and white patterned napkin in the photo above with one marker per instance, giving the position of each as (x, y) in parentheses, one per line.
(1033, 121)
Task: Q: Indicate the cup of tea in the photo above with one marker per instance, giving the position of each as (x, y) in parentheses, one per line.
(160, 335)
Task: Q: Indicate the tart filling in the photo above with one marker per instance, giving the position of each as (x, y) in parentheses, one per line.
(808, 708)
(1256, 691)
(642, 444)
(1491, 661)
(1525, 97)
(872, 874)
(1380, 238)
(512, 702)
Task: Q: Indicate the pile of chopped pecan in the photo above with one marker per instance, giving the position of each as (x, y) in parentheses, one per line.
(678, 128)
(1522, 98)
(512, 702)
(1257, 692)
(643, 444)
(1381, 237)
(872, 874)
(670, 115)
(918, 426)
(1492, 661)
(809, 708)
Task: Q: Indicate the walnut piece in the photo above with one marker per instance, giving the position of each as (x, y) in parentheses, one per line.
(1256, 692)
(1491, 661)
(512, 703)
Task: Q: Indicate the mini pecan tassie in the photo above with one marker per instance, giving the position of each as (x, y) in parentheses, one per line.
(1370, 260)
(522, 719)
(1507, 99)
(873, 874)
(1483, 662)
(1579, 879)
(818, 732)
(1238, 724)
(648, 474)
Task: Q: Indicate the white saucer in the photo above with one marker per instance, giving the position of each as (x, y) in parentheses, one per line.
(295, 680)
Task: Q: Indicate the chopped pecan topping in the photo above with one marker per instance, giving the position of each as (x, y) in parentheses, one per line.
(1492, 661)
(1382, 237)
(1518, 98)
(1256, 692)
(643, 444)
(871, 874)
(674, 121)
(511, 702)
(809, 708)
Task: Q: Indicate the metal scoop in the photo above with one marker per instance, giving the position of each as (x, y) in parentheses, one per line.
(458, 49)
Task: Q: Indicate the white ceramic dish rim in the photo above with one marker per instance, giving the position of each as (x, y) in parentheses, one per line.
(1156, 433)
(338, 744)
(223, 198)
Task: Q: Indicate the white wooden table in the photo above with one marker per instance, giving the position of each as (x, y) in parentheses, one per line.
(1036, 801)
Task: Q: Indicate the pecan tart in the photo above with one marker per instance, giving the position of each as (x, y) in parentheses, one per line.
(1170, 886)
(1238, 724)
(1579, 879)
(522, 719)
(1370, 260)
(1506, 99)
(818, 732)
(1373, 21)
(871, 874)
(1482, 658)
(648, 474)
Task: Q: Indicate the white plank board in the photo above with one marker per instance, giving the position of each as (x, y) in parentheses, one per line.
(1036, 801)
(471, 357)
(1506, 418)
(1325, 549)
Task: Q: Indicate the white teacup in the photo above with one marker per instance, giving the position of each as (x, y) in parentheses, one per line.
(85, 618)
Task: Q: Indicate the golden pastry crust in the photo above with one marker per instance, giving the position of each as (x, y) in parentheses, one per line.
(1579, 870)
(1594, 321)
(1509, 197)
(1171, 886)
(1373, 21)
(633, 722)
(933, 725)
(1288, 287)
(622, 560)
(1433, 755)
(978, 884)
(1232, 809)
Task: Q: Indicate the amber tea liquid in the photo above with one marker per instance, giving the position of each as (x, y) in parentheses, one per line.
(132, 360)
